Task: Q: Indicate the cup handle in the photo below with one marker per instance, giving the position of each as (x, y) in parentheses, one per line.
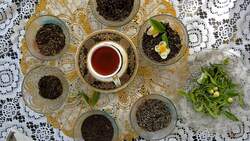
(116, 80)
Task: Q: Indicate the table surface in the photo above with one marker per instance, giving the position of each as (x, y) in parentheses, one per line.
(210, 24)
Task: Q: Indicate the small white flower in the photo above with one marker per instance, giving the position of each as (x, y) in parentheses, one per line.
(230, 99)
(215, 88)
(211, 91)
(152, 31)
(216, 94)
(162, 49)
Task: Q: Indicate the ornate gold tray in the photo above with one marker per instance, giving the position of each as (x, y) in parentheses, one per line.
(150, 78)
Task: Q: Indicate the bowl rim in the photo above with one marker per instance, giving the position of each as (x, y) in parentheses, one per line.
(87, 114)
(22, 88)
(107, 31)
(184, 48)
(67, 38)
(158, 97)
(115, 23)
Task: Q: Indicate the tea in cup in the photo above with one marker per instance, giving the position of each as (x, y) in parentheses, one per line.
(107, 61)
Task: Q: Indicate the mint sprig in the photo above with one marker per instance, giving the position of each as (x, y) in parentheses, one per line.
(93, 100)
(164, 37)
(160, 28)
(157, 25)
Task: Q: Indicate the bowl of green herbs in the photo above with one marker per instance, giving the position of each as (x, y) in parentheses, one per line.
(216, 84)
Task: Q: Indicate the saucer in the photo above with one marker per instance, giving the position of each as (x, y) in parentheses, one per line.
(95, 38)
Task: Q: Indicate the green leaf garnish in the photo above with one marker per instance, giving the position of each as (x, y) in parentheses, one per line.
(95, 98)
(157, 25)
(85, 96)
(230, 116)
(226, 61)
(164, 37)
(91, 101)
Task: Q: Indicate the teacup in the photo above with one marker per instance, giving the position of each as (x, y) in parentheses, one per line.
(107, 61)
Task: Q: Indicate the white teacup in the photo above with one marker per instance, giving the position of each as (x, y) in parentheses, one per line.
(120, 67)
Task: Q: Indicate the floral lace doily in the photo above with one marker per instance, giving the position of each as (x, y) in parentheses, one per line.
(78, 17)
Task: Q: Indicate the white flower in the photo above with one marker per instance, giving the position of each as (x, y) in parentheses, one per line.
(215, 88)
(152, 31)
(230, 99)
(216, 94)
(162, 49)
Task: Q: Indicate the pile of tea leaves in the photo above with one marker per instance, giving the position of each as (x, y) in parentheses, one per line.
(115, 10)
(153, 115)
(50, 39)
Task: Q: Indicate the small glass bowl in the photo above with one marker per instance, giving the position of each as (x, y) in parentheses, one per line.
(176, 25)
(78, 124)
(32, 30)
(157, 134)
(30, 90)
(93, 6)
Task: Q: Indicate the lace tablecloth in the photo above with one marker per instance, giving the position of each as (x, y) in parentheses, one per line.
(210, 24)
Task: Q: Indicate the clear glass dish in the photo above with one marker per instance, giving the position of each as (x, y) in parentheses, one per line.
(79, 122)
(176, 25)
(30, 90)
(32, 29)
(157, 134)
(102, 20)
(238, 73)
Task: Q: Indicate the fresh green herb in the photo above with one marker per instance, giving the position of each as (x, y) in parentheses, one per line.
(157, 25)
(92, 101)
(214, 91)
(95, 98)
(230, 116)
(164, 37)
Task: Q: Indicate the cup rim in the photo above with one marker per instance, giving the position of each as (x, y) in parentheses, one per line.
(64, 28)
(90, 56)
(166, 100)
(108, 23)
(87, 114)
(22, 89)
(99, 32)
(183, 48)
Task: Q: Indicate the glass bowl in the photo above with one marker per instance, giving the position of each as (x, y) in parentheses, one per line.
(102, 20)
(157, 134)
(78, 124)
(30, 90)
(32, 29)
(176, 25)
(236, 69)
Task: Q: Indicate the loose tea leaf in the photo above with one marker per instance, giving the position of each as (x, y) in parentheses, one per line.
(50, 87)
(97, 128)
(114, 10)
(157, 25)
(153, 115)
(50, 39)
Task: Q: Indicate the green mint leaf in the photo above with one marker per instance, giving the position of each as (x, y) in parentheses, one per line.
(241, 101)
(231, 92)
(95, 98)
(157, 25)
(164, 37)
(85, 96)
(226, 61)
(230, 115)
